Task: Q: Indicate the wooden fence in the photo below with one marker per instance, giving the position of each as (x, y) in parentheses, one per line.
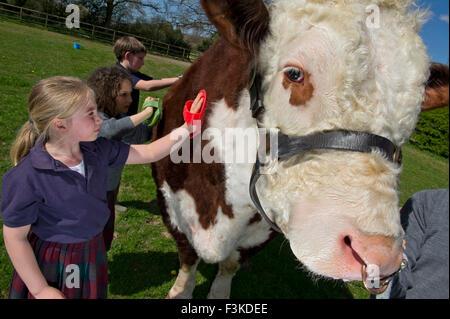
(90, 31)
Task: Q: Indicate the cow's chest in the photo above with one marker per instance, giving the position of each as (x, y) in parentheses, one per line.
(215, 243)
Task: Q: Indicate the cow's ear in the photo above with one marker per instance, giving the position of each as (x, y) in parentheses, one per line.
(244, 23)
(436, 90)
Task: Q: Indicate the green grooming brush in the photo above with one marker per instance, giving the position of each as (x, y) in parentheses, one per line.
(157, 111)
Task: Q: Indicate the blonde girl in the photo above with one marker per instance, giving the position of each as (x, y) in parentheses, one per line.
(54, 198)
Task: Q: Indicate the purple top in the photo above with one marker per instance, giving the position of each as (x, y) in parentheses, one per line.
(60, 204)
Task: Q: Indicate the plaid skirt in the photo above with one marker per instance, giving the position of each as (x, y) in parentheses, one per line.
(80, 270)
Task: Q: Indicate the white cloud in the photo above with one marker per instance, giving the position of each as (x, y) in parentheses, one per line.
(444, 17)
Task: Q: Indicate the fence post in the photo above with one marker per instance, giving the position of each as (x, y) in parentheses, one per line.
(20, 14)
(114, 36)
(46, 20)
(93, 31)
(168, 48)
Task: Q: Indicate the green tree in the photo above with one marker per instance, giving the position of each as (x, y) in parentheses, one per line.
(19, 3)
(206, 43)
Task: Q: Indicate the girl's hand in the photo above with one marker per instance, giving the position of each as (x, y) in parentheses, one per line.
(50, 293)
(149, 110)
(195, 108)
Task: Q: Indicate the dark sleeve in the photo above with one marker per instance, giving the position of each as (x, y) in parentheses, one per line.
(115, 152)
(424, 218)
(140, 76)
(20, 204)
(144, 77)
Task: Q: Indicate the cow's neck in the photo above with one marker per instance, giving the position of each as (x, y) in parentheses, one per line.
(224, 72)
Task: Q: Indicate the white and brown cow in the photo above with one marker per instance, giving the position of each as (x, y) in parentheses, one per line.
(324, 67)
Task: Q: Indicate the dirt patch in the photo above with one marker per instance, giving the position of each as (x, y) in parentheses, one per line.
(166, 235)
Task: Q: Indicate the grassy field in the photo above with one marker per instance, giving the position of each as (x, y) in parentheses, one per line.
(143, 255)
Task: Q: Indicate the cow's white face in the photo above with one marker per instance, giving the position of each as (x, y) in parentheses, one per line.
(324, 69)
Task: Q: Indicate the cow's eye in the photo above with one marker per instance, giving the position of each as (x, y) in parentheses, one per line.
(293, 74)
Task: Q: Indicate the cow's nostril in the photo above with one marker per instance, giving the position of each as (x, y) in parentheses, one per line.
(348, 241)
(356, 256)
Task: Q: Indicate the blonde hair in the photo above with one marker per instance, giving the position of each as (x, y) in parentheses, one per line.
(55, 97)
(127, 44)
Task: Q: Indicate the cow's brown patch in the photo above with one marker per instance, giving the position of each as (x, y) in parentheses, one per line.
(256, 218)
(301, 92)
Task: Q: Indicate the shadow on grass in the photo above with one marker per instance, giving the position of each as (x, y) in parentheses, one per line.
(152, 208)
(131, 273)
(275, 273)
(272, 273)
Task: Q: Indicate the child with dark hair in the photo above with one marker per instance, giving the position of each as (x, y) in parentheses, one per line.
(112, 87)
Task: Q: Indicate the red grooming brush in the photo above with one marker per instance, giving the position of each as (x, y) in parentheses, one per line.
(195, 118)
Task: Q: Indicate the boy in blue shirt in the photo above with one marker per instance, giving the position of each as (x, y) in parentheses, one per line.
(130, 54)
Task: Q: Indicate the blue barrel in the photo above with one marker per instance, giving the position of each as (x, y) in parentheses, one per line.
(77, 46)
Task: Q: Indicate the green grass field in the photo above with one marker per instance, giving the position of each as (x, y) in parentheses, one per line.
(143, 255)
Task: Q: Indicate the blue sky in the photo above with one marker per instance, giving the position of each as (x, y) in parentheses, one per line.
(435, 32)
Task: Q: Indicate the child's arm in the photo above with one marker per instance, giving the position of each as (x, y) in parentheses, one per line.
(149, 153)
(24, 262)
(114, 128)
(154, 85)
(144, 114)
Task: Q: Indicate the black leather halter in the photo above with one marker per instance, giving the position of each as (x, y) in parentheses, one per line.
(289, 146)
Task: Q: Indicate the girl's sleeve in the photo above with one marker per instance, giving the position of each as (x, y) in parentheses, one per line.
(20, 204)
(115, 153)
(113, 128)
